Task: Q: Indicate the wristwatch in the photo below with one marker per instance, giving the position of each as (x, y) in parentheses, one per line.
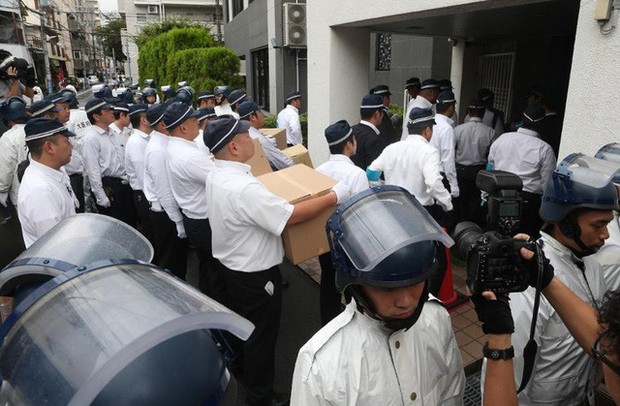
(495, 354)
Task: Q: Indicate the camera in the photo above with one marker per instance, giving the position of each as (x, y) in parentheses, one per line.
(493, 259)
(25, 73)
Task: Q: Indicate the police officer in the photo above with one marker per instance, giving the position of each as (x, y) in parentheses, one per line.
(492, 117)
(342, 146)
(577, 205)
(386, 127)
(446, 85)
(251, 112)
(169, 238)
(412, 86)
(46, 196)
(289, 118)
(473, 140)
(134, 164)
(399, 341)
(247, 221)
(222, 106)
(426, 99)
(206, 99)
(119, 128)
(443, 140)
(526, 155)
(188, 167)
(370, 144)
(104, 164)
(236, 98)
(150, 95)
(185, 94)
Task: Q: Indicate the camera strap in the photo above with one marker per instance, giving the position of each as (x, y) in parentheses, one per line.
(530, 349)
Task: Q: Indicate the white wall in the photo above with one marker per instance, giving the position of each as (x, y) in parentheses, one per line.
(592, 116)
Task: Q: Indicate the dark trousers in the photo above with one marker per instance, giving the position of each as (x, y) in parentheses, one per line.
(530, 219)
(11, 239)
(170, 250)
(250, 299)
(435, 281)
(199, 234)
(330, 298)
(77, 184)
(121, 201)
(468, 202)
(141, 205)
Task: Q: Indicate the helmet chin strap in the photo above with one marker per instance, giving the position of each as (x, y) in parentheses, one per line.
(585, 250)
(364, 305)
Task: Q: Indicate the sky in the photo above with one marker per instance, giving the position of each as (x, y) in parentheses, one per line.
(108, 5)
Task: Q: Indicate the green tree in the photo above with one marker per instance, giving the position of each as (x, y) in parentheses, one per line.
(154, 54)
(110, 37)
(152, 30)
(204, 68)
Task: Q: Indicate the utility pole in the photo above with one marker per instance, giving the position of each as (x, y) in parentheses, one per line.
(46, 59)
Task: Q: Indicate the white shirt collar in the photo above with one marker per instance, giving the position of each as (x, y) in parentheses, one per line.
(114, 127)
(475, 119)
(238, 166)
(183, 141)
(371, 125)
(51, 172)
(100, 130)
(292, 107)
(416, 138)
(527, 131)
(446, 119)
(141, 134)
(340, 158)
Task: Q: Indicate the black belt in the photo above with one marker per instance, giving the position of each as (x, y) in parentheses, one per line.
(481, 166)
(76, 176)
(111, 180)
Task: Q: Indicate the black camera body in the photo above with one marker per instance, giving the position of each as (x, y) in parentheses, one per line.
(493, 259)
(494, 263)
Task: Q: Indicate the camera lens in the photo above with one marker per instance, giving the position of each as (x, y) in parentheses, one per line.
(465, 235)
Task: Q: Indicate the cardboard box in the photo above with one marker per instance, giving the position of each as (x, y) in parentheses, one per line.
(308, 239)
(299, 154)
(277, 135)
(259, 162)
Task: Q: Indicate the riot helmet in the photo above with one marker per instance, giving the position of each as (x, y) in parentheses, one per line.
(14, 109)
(221, 93)
(149, 92)
(71, 98)
(578, 182)
(383, 237)
(186, 94)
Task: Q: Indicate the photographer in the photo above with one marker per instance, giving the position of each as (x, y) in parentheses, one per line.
(12, 72)
(577, 206)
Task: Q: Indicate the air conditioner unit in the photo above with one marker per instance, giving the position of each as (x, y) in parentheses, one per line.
(294, 25)
(153, 10)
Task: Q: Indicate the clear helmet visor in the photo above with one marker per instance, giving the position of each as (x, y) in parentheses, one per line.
(376, 225)
(594, 172)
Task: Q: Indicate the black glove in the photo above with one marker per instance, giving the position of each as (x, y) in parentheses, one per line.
(495, 315)
(532, 268)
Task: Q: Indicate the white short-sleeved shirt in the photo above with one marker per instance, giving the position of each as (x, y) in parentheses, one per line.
(341, 168)
(473, 140)
(414, 165)
(13, 151)
(188, 167)
(78, 124)
(525, 155)
(246, 218)
(134, 158)
(443, 140)
(156, 178)
(45, 198)
(289, 118)
(354, 360)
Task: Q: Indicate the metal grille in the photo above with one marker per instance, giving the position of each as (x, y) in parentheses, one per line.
(472, 390)
(384, 52)
(495, 73)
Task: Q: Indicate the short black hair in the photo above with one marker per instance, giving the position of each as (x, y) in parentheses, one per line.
(91, 115)
(417, 130)
(36, 146)
(118, 114)
(609, 315)
(339, 148)
(443, 107)
(476, 112)
(135, 119)
(366, 114)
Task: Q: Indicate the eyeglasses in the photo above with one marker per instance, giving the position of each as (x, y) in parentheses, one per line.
(600, 355)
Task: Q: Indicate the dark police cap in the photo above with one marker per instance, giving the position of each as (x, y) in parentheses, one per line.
(382, 90)
(41, 107)
(38, 128)
(476, 104)
(412, 82)
(221, 131)
(121, 106)
(95, 104)
(236, 96)
(13, 109)
(430, 84)
(533, 114)
(446, 97)
(155, 113)
(57, 98)
(138, 108)
(293, 95)
(421, 118)
(177, 113)
(485, 94)
(206, 95)
(372, 102)
(246, 108)
(206, 112)
(445, 84)
(338, 132)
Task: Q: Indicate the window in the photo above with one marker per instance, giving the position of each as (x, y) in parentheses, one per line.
(384, 52)
(260, 76)
(77, 54)
(141, 17)
(237, 7)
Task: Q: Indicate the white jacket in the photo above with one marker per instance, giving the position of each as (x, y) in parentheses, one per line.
(609, 255)
(354, 360)
(13, 151)
(563, 372)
